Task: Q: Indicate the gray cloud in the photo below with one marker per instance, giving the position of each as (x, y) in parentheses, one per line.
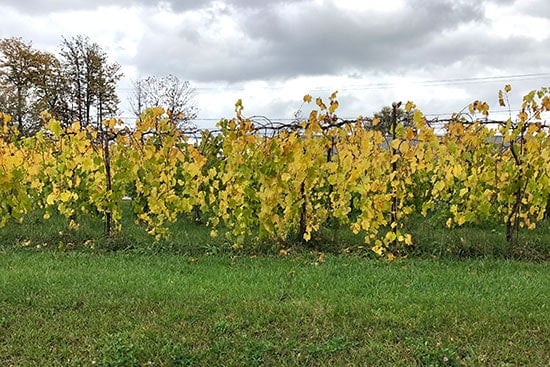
(42, 7)
(229, 42)
(323, 40)
(285, 39)
(535, 8)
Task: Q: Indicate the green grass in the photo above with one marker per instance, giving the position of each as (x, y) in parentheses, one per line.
(71, 298)
(433, 239)
(127, 309)
(430, 236)
(186, 237)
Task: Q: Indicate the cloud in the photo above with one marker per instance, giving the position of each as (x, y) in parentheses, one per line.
(325, 40)
(235, 41)
(535, 8)
(52, 6)
(231, 45)
(239, 40)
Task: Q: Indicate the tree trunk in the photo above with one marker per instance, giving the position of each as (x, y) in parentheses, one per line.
(393, 219)
(303, 214)
(108, 184)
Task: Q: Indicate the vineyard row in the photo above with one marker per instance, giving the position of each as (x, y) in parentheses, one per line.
(294, 181)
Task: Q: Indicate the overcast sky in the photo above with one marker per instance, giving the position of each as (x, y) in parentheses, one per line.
(441, 54)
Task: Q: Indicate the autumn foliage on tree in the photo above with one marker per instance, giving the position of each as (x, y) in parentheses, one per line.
(79, 84)
(27, 83)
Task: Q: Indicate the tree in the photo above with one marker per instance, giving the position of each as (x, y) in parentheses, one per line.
(91, 81)
(52, 89)
(22, 82)
(168, 92)
(385, 118)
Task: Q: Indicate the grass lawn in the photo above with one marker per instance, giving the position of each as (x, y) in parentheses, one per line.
(128, 309)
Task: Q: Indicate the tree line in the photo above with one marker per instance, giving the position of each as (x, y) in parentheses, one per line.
(79, 84)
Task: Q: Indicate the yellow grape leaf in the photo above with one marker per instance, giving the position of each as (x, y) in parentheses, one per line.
(65, 196)
(55, 127)
(418, 117)
(87, 163)
(355, 228)
(485, 109)
(440, 185)
(507, 88)
(454, 209)
(395, 144)
(390, 237)
(378, 248)
(50, 199)
(333, 106)
(457, 171)
(523, 116)
(400, 129)
(36, 184)
(375, 121)
(307, 98)
(313, 116)
(75, 126)
(307, 235)
(333, 95)
(501, 99)
(73, 225)
(7, 118)
(460, 219)
(320, 103)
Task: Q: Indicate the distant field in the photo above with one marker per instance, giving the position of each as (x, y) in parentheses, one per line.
(127, 309)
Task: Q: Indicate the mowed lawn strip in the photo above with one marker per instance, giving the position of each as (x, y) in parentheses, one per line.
(64, 309)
